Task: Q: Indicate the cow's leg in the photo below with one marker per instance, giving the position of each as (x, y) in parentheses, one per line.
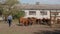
(31, 23)
(23, 23)
(38, 21)
(26, 23)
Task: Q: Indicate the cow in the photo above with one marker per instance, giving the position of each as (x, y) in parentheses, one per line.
(32, 20)
(38, 21)
(23, 21)
(45, 21)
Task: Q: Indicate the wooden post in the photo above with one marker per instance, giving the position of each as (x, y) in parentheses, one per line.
(50, 19)
(50, 23)
(55, 17)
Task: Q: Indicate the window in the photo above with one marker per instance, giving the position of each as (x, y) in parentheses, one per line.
(43, 12)
(32, 12)
(54, 13)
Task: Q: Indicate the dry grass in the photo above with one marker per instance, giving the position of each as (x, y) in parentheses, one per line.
(15, 29)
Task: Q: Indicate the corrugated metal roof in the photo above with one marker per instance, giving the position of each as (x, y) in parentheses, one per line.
(36, 7)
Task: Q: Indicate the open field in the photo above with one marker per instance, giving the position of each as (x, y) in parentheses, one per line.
(32, 29)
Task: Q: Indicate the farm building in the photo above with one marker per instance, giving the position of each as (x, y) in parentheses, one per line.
(41, 11)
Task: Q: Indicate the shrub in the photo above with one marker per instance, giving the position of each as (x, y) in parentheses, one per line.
(19, 14)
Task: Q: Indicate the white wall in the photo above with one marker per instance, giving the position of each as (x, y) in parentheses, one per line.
(38, 15)
(58, 16)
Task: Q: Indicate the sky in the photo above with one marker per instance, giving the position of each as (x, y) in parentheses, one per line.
(41, 1)
(2, 1)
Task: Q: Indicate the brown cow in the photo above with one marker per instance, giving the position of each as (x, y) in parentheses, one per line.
(38, 21)
(32, 20)
(46, 21)
(23, 21)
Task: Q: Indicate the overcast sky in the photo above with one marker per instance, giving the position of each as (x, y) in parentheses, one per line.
(41, 1)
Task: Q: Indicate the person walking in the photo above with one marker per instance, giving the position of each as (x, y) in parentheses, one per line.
(9, 19)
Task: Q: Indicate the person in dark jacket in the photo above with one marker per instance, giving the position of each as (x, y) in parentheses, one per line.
(9, 19)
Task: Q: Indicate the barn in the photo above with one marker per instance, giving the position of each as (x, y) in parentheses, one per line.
(41, 11)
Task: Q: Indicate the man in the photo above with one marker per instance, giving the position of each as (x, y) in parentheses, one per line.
(9, 18)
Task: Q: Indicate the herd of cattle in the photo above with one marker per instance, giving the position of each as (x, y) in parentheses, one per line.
(32, 20)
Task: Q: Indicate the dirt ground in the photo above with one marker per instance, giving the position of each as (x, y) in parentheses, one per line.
(32, 29)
